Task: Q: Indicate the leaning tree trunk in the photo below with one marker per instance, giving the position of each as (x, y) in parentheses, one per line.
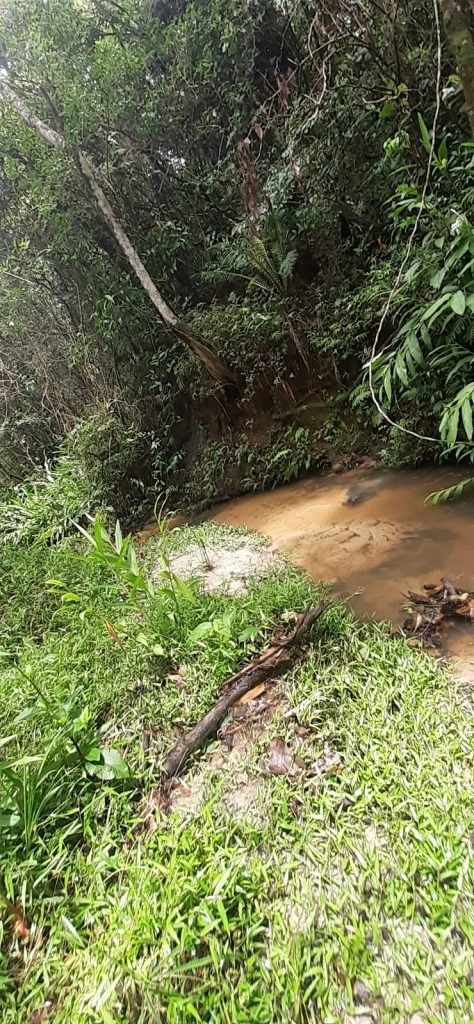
(203, 352)
(456, 18)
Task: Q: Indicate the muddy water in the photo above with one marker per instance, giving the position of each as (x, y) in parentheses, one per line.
(371, 534)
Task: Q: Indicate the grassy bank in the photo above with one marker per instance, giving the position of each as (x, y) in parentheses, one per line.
(339, 891)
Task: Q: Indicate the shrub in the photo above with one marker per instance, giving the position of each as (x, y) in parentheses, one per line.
(88, 474)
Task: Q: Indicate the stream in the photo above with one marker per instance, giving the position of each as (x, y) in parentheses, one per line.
(371, 534)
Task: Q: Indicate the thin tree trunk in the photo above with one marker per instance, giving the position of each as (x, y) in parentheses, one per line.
(203, 352)
(461, 43)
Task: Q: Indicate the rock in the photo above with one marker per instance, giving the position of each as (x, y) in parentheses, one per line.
(362, 994)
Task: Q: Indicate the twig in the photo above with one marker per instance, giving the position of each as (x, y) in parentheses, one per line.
(274, 660)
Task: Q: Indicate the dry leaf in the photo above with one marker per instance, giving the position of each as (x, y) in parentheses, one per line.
(19, 926)
(466, 611)
(258, 131)
(113, 632)
(281, 760)
(38, 1016)
(251, 694)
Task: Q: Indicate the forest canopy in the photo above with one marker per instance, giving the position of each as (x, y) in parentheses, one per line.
(204, 209)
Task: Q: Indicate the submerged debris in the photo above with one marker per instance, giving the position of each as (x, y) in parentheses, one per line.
(434, 611)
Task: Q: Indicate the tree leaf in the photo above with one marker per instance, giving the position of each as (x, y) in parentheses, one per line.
(466, 410)
(401, 369)
(436, 307)
(458, 302)
(452, 424)
(414, 347)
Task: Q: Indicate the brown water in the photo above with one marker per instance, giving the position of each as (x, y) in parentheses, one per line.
(372, 535)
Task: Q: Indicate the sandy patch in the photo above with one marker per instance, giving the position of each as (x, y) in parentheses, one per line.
(221, 568)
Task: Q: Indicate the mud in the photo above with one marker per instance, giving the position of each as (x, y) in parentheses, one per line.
(372, 534)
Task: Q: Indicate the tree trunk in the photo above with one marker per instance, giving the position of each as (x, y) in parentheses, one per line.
(203, 352)
(460, 40)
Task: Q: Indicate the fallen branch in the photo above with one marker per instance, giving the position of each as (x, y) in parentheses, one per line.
(273, 661)
(432, 612)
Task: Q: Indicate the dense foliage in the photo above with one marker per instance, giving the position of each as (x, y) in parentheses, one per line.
(267, 162)
(236, 244)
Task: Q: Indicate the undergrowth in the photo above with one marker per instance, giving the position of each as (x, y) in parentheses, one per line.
(346, 887)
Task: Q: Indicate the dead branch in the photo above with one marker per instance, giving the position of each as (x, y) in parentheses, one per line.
(273, 661)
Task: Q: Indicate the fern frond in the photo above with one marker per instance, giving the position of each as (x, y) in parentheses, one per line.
(287, 266)
(262, 263)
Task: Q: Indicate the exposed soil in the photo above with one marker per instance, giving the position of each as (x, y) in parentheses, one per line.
(218, 567)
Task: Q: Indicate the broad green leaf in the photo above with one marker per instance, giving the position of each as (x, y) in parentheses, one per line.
(414, 347)
(132, 560)
(436, 307)
(387, 110)
(9, 819)
(412, 271)
(443, 149)
(202, 630)
(400, 368)
(183, 588)
(387, 383)
(425, 135)
(98, 534)
(470, 302)
(458, 302)
(410, 363)
(466, 410)
(93, 754)
(27, 713)
(118, 537)
(452, 426)
(115, 762)
(425, 334)
(437, 279)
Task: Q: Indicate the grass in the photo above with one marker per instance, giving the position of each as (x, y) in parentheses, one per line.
(345, 890)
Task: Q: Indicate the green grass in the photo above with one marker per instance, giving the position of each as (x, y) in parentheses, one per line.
(356, 872)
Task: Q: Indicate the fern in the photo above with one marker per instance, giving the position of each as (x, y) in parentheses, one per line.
(287, 266)
(264, 263)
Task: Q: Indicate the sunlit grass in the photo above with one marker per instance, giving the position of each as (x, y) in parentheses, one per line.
(348, 888)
